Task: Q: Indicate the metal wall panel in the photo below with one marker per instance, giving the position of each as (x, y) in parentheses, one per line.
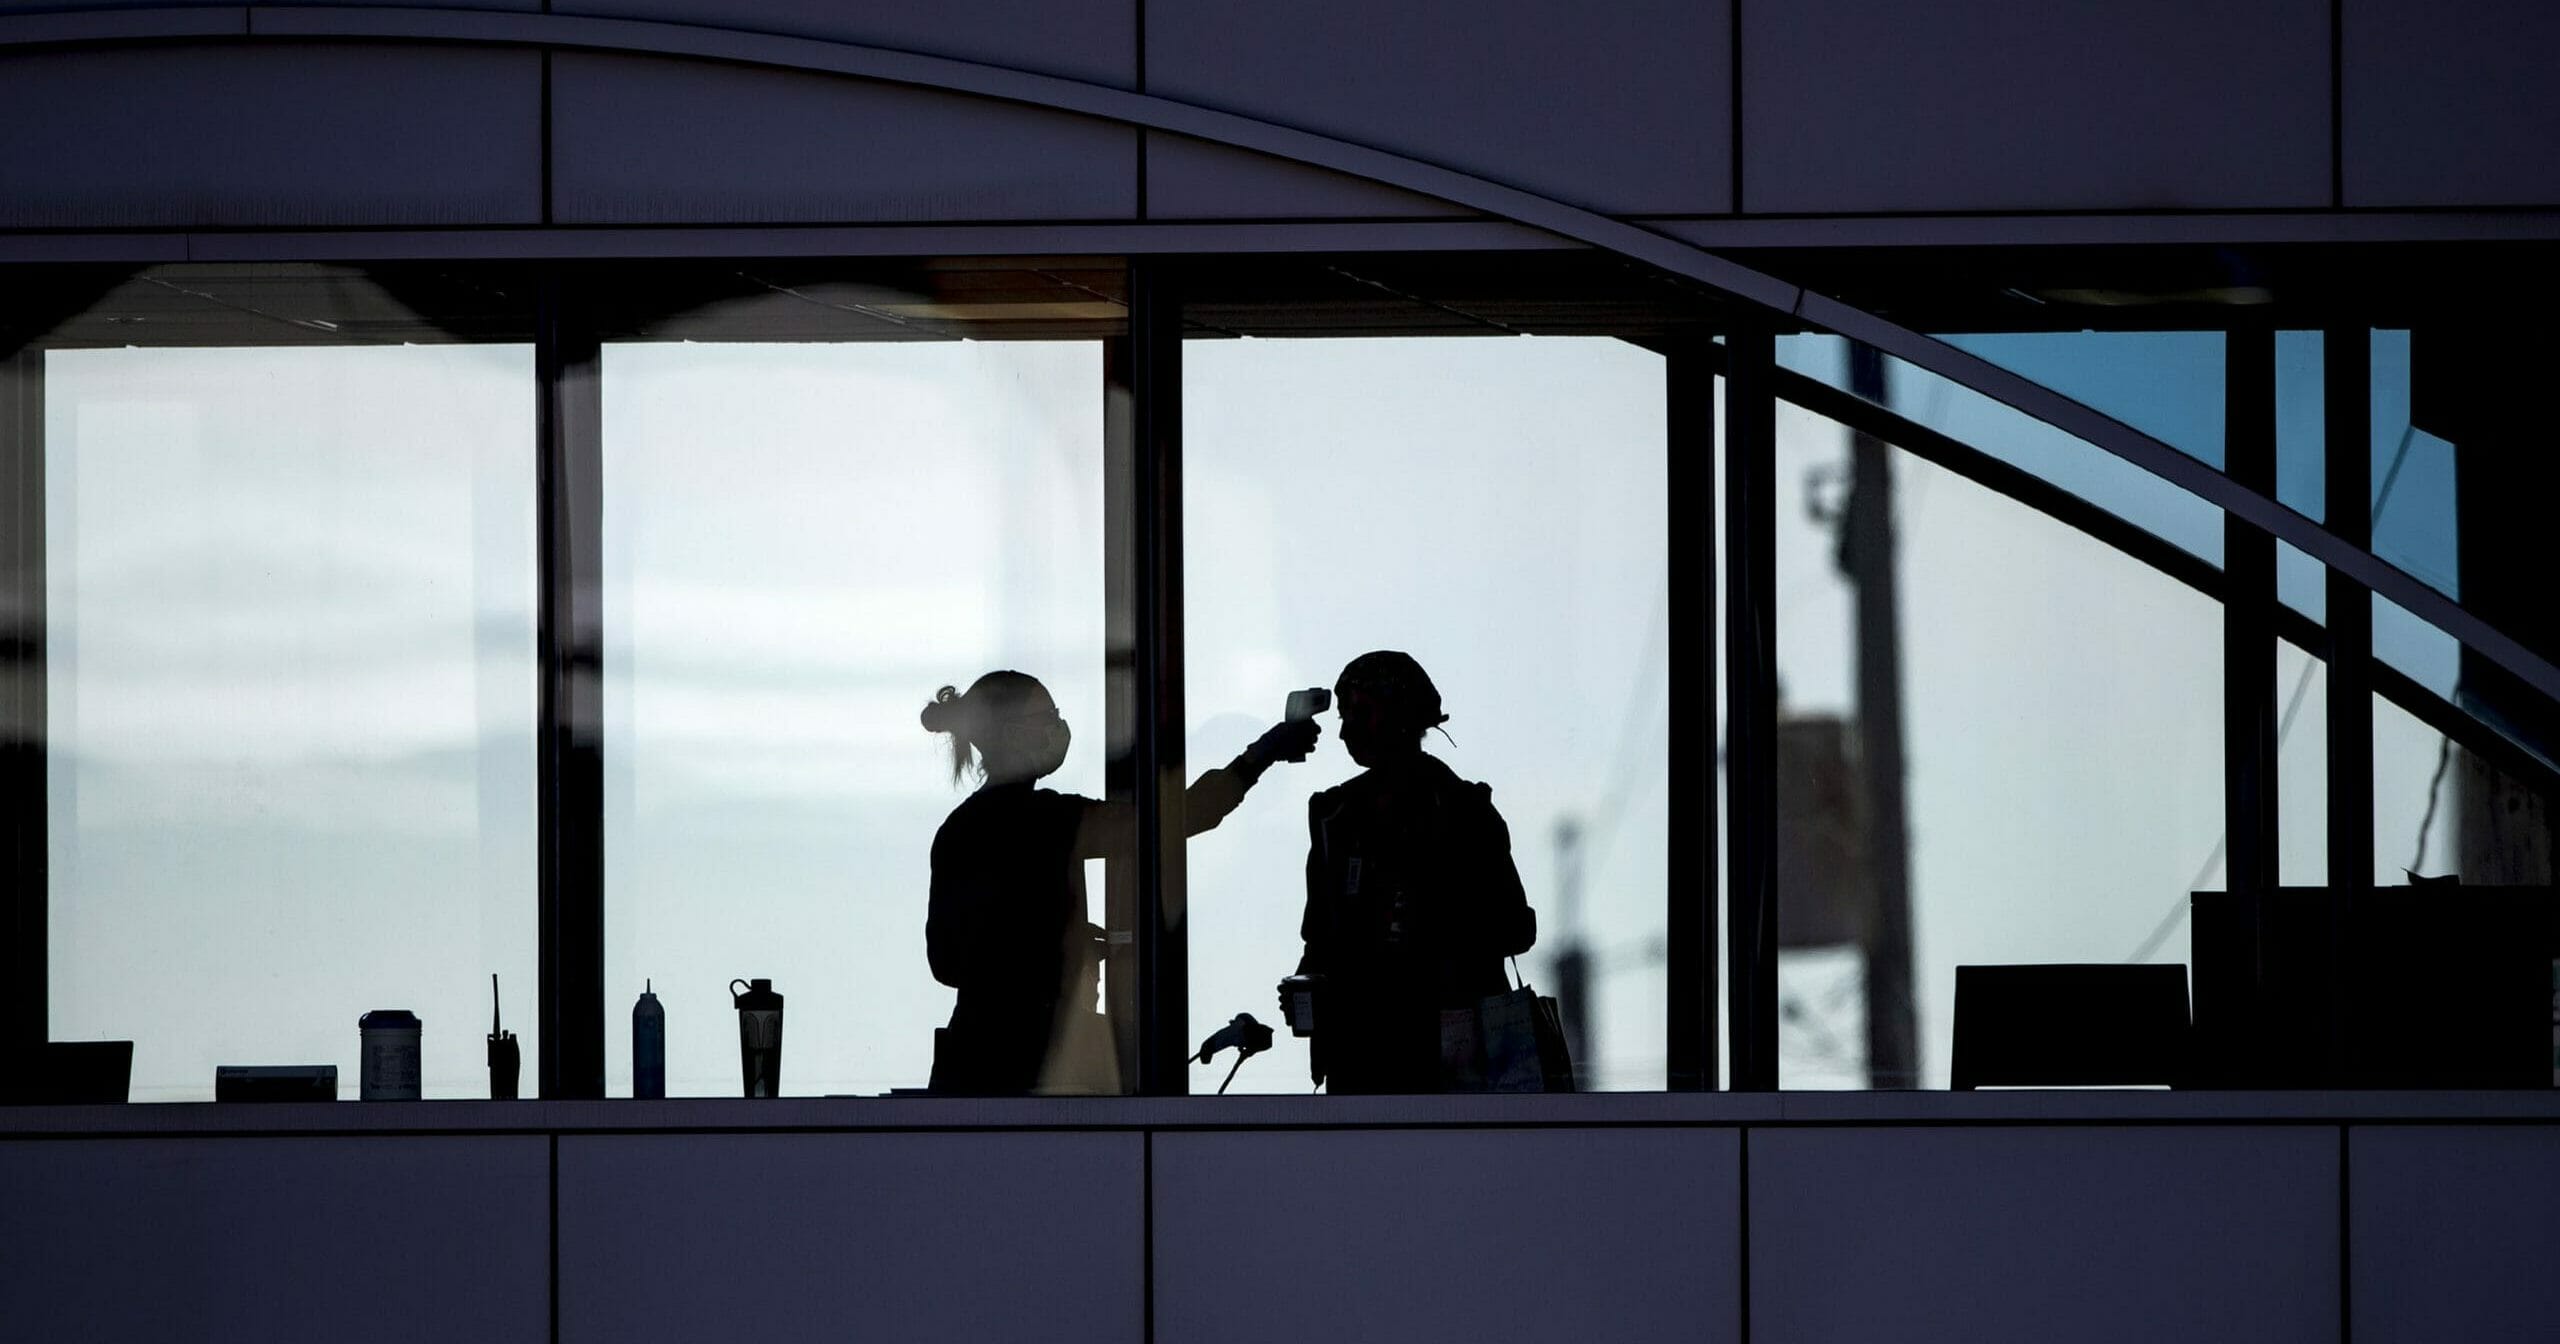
(292, 135)
(71, 6)
(641, 140)
(1193, 179)
(1461, 1235)
(898, 1236)
(1082, 39)
(2453, 1232)
(387, 1239)
(1881, 105)
(1621, 107)
(2450, 102)
(2033, 1234)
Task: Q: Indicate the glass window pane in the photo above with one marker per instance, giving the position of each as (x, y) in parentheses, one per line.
(2062, 747)
(2302, 583)
(1494, 507)
(291, 688)
(2413, 477)
(2301, 423)
(2412, 787)
(2168, 384)
(802, 542)
(2023, 441)
(2302, 768)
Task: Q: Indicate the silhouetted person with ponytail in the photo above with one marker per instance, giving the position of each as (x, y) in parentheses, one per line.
(1412, 898)
(1007, 924)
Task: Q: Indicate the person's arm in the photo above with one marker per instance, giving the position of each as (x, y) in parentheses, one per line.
(951, 935)
(1314, 927)
(1110, 830)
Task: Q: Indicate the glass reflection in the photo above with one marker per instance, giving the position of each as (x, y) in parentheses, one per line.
(801, 542)
(2021, 440)
(1007, 924)
(2414, 486)
(2302, 767)
(2063, 750)
(290, 672)
(1493, 507)
(2301, 423)
(2168, 384)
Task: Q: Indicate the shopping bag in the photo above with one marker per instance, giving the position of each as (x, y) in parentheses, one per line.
(1507, 1026)
(1555, 1060)
(1509, 1042)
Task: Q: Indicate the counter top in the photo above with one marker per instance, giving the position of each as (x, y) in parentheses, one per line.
(857, 1114)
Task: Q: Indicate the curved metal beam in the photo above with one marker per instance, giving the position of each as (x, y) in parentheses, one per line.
(1664, 253)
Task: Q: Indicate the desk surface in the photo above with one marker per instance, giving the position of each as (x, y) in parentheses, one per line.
(855, 1114)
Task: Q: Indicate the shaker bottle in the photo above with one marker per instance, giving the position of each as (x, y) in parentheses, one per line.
(648, 1045)
(759, 1037)
(388, 1066)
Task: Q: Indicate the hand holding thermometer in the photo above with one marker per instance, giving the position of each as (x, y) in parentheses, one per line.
(1291, 739)
(1297, 724)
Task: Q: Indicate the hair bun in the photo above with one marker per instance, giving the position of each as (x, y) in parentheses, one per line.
(943, 714)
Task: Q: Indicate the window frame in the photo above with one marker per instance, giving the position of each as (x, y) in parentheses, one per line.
(1714, 551)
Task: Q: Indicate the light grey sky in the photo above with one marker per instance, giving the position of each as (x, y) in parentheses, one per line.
(290, 702)
(292, 680)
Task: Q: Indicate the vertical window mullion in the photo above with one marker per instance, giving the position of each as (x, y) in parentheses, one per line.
(1149, 951)
(25, 1011)
(1689, 1036)
(569, 631)
(2248, 618)
(2346, 379)
(1751, 706)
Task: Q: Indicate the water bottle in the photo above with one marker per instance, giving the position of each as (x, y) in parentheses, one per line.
(648, 1045)
(759, 1037)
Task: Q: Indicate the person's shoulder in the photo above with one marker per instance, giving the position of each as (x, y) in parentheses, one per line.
(1445, 777)
(1459, 791)
(955, 827)
(1325, 802)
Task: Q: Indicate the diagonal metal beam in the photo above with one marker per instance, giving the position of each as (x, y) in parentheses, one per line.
(1667, 254)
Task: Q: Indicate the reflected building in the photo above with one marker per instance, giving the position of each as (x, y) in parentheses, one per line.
(487, 487)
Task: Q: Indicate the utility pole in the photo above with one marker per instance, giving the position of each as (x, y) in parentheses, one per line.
(1573, 956)
(1867, 558)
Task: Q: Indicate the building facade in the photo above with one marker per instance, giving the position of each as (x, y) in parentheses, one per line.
(1880, 491)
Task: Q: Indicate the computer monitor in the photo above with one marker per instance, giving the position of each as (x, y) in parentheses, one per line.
(59, 1073)
(2104, 1025)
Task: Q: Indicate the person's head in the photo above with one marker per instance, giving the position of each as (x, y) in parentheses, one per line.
(1008, 720)
(1387, 703)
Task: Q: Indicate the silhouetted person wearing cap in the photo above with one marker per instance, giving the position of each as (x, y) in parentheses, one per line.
(1412, 897)
(1006, 926)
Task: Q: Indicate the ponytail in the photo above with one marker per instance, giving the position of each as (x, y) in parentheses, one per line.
(949, 713)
